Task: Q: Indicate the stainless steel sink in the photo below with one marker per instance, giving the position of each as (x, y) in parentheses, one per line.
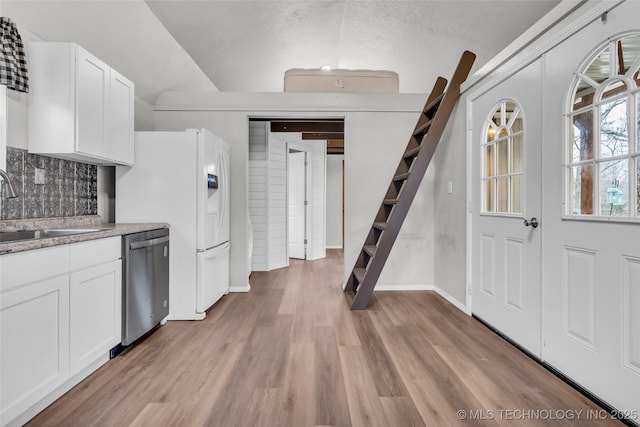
(14, 236)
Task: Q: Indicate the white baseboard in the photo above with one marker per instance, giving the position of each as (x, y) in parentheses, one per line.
(194, 316)
(246, 288)
(404, 288)
(444, 294)
(333, 247)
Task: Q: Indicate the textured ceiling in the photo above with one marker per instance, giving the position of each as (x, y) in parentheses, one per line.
(244, 45)
(247, 46)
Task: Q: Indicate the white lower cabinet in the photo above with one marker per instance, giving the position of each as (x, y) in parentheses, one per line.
(34, 343)
(60, 314)
(95, 307)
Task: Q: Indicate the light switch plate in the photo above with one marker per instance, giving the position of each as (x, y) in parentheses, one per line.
(450, 187)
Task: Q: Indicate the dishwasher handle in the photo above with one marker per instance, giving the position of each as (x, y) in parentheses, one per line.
(146, 243)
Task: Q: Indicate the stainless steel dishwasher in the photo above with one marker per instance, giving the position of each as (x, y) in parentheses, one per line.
(145, 269)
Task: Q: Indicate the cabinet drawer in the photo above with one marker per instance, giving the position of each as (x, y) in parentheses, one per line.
(33, 266)
(95, 252)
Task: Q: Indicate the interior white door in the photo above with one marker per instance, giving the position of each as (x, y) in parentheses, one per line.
(505, 148)
(296, 205)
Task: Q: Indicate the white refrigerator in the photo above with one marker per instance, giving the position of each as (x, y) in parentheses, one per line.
(182, 178)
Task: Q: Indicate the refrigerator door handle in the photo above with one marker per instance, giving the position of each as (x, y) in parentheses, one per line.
(223, 198)
(146, 243)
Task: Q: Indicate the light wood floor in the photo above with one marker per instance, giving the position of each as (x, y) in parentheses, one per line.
(291, 353)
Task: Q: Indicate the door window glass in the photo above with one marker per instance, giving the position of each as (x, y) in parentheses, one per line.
(502, 160)
(603, 145)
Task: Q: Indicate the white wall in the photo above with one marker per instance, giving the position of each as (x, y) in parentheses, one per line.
(334, 200)
(450, 209)
(377, 128)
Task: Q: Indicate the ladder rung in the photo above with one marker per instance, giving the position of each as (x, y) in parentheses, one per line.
(390, 201)
(411, 153)
(401, 177)
(422, 129)
(370, 249)
(380, 225)
(359, 274)
(436, 102)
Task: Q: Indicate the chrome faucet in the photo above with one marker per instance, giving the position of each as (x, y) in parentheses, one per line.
(11, 193)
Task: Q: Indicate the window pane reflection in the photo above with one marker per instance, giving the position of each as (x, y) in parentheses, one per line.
(581, 190)
(502, 161)
(614, 185)
(503, 195)
(489, 196)
(582, 136)
(614, 132)
(584, 95)
(489, 169)
(630, 52)
(516, 154)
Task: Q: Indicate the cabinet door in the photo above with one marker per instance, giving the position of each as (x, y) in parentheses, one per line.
(92, 101)
(34, 343)
(121, 119)
(95, 313)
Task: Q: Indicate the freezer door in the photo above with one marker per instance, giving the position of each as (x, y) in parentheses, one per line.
(213, 276)
(213, 190)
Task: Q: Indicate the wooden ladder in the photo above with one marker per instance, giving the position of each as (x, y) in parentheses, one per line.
(405, 183)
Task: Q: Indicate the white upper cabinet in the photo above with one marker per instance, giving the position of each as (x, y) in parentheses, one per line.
(121, 115)
(92, 103)
(79, 107)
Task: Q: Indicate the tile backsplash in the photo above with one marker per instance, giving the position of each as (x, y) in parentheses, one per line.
(69, 188)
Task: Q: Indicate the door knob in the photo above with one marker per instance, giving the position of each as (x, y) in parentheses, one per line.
(531, 222)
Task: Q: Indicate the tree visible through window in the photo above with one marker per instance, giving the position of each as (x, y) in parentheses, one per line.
(604, 145)
(502, 158)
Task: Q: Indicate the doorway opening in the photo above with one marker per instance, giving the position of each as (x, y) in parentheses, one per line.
(298, 180)
(295, 189)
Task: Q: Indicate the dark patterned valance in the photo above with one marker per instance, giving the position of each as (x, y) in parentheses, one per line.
(13, 63)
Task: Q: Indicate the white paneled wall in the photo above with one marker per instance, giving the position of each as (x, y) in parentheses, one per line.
(258, 202)
(277, 202)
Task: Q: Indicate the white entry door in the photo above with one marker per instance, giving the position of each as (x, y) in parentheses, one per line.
(505, 193)
(297, 209)
(591, 276)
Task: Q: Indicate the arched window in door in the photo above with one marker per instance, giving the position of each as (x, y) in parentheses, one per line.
(603, 144)
(502, 160)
